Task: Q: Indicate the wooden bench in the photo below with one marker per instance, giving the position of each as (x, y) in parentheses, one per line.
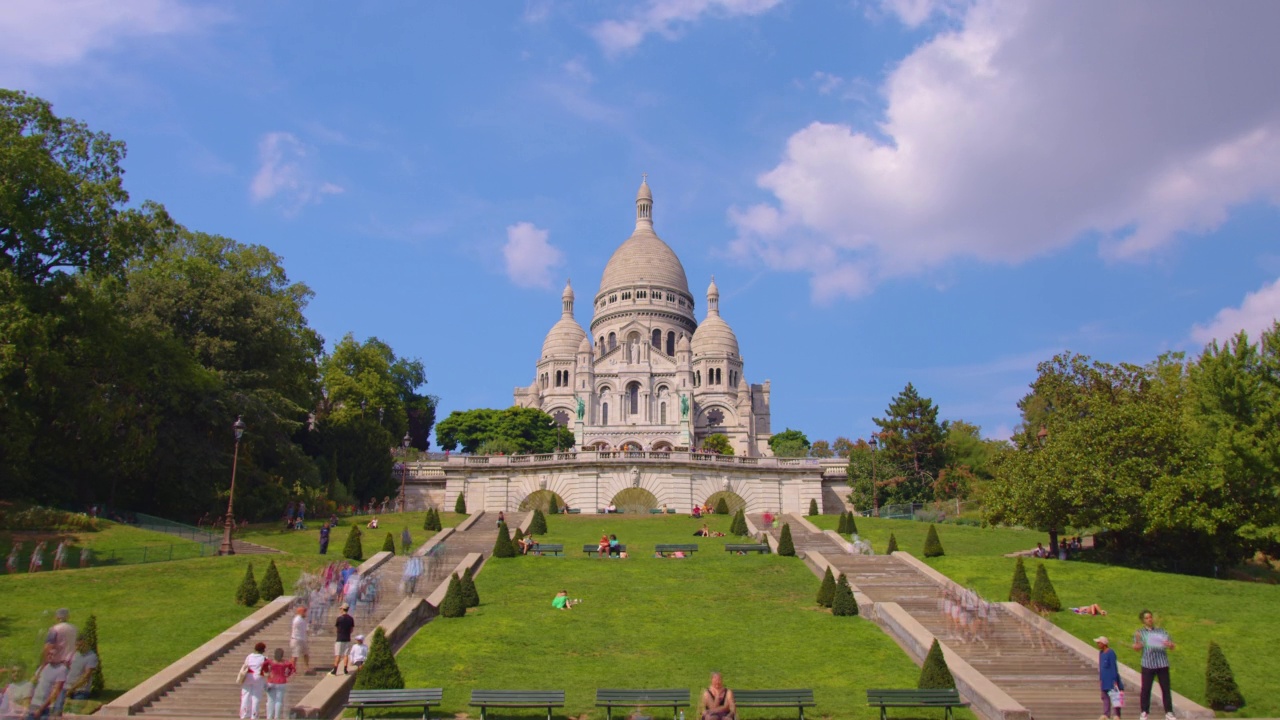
(417, 697)
(547, 549)
(485, 699)
(945, 699)
(664, 548)
(796, 698)
(594, 548)
(761, 548)
(674, 699)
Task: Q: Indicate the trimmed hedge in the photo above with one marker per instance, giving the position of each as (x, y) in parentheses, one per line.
(738, 526)
(843, 604)
(272, 587)
(453, 605)
(813, 507)
(247, 593)
(502, 547)
(353, 550)
(932, 545)
(90, 636)
(722, 507)
(1020, 588)
(460, 506)
(827, 591)
(470, 596)
(786, 547)
(1220, 688)
(892, 546)
(853, 525)
(538, 525)
(1043, 597)
(389, 545)
(380, 671)
(934, 674)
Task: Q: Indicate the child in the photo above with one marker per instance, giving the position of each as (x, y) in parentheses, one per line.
(358, 653)
(278, 673)
(562, 602)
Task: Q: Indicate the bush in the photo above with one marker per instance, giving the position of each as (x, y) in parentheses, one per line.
(435, 520)
(426, 521)
(813, 507)
(380, 671)
(538, 525)
(852, 529)
(786, 547)
(893, 545)
(722, 507)
(272, 587)
(827, 590)
(47, 519)
(453, 605)
(353, 550)
(1043, 597)
(932, 545)
(460, 506)
(1220, 689)
(935, 675)
(502, 547)
(553, 507)
(519, 536)
(842, 527)
(1020, 589)
(247, 593)
(389, 545)
(738, 526)
(842, 602)
(90, 636)
(470, 596)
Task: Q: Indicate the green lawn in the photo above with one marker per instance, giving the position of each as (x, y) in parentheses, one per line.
(115, 543)
(306, 543)
(653, 623)
(956, 539)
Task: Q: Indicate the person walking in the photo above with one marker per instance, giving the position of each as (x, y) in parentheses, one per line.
(278, 674)
(406, 540)
(1109, 678)
(412, 571)
(298, 647)
(324, 539)
(342, 642)
(1154, 644)
(254, 686)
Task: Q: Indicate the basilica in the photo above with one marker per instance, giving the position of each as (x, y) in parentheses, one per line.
(648, 376)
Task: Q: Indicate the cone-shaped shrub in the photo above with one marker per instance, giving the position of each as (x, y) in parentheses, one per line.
(435, 520)
(389, 545)
(786, 547)
(538, 525)
(1043, 597)
(827, 590)
(935, 675)
(272, 587)
(502, 547)
(426, 521)
(842, 602)
(932, 545)
(739, 525)
(722, 507)
(90, 636)
(813, 507)
(1220, 688)
(460, 506)
(453, 605)
(380, 671)
(247, 593)
(1020, 589)
(893, 545)
(842, 527)
(519, 536)
(852, 528)
(353, 550)
(470, 596)
(553, 507)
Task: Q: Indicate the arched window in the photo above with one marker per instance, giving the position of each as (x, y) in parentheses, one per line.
(656, 341)
(604, 413)
(613, 341)
(662, 414)
(601, 344)
(633, 398)
(671, 343)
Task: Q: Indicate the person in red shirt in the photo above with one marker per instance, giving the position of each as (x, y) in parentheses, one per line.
(278, 672)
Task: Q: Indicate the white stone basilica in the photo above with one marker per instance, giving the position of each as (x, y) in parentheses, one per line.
(649, 376)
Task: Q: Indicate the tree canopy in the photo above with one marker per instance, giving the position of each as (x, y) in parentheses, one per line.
(789, 443)
(515, 429)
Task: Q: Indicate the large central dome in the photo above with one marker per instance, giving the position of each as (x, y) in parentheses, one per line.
(644, 259)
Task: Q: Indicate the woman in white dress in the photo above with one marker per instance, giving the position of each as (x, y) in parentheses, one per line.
(254, 686)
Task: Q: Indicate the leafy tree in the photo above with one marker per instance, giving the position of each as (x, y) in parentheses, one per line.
(789, 443)
(380, 671)
(502, 547)
(867, 465)
(843, 603)
(538, 525)
(821, 449)
(89, 633)
(934, 674)
(353, 550)
(272, 587)
(366, 380)
(892, 547)
(813, 507)
(514, 430)
(738, 526)
(1020, 588)
(717, 443)
(1220, 688)
(911, 439)
(932, 545)
(827, 591)
(460, 506)
(1043, 597)
(389, 544)
(470, 596)
(453, 605)
(722, 506)
(247, 593)
(786, 547)
(842, 446)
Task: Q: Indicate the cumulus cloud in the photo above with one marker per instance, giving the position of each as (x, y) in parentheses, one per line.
(284, 174)
(668, 18)
(1257, 313)
(64, 32)
(1025, 128)
(529, 257)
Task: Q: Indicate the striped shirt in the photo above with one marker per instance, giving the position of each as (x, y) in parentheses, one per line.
(1153, 642)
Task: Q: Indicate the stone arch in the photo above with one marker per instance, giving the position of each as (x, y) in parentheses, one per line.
(663, 445)
(541, 499)
(635, 500)
(632, 399)
(631, 446)
(735, 501)
(598, 445)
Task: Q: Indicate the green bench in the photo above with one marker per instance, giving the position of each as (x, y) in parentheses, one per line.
(574, 511)
(674, 699)
(946, 699)
(761, 548)
(547, 549)
(485, 699)
(418, 697)
(595, 548)
(664, 548)
(796, 698)
(658, 511)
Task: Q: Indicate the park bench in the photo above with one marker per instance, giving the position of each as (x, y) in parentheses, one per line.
(761, 548)
(947, 699)
(485, 699)
(674, 699)
(664, 548)
(415, 697)
(594, 548)
(574, 511)
(547, 549)
(796, 698)
(658, 511)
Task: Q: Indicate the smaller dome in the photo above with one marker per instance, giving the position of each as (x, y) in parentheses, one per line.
(567, 295)
(714, 336)
(644, 193)
(564, 338)
(585, 345)
(683, 344)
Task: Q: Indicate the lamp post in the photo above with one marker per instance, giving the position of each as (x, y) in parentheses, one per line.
(227, 548)
(875, 503)
(404, 471)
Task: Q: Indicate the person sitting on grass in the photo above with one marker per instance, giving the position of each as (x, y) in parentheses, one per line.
(562, 602)
(1089, 610)
(704, 531)
(717, 701)
(373, 524)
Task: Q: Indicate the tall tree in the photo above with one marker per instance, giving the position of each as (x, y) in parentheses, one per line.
(911, 438)
(515, 429)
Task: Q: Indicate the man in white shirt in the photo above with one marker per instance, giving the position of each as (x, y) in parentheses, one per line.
(60, 642)
(358, 653)
(298, 640)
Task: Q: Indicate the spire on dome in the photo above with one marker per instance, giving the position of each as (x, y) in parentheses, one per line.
(713, 298)
(644, 203)
(566, 299)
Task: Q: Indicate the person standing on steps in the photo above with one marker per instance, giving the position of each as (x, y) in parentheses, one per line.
(1108, 677)
(1154, 644)
(342, 644)
(255, 683)
(298, 640)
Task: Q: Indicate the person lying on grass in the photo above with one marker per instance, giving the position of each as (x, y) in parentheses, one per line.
(1089, 610)
(562, 602)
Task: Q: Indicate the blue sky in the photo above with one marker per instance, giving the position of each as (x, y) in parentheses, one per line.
(937, 192)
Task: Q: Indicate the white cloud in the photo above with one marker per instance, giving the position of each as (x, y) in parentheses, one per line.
(64, 32)
(1026, 128)
(913, 13)
(284, 173)
(1257, 313)
(529, 257)
(667, 18)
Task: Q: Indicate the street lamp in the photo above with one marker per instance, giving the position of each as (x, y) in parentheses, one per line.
(227, 548)
(875, 504)
(404, 470)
